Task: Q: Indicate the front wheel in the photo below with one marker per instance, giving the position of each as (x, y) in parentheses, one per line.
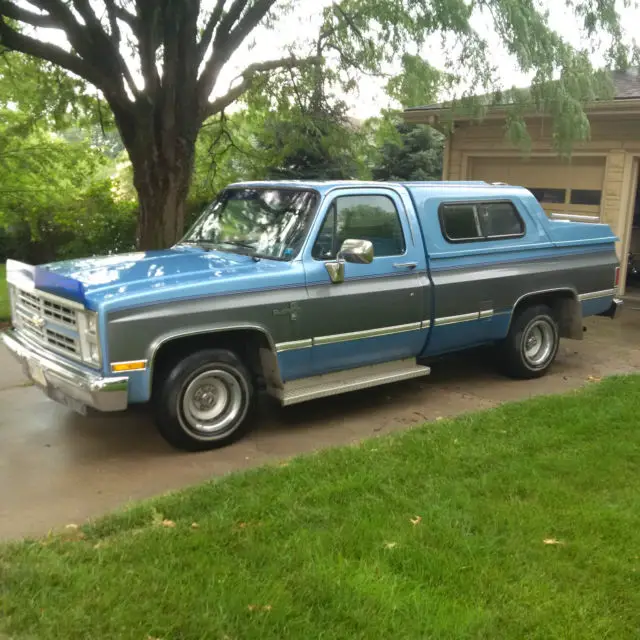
(532, 343)
(205, 401)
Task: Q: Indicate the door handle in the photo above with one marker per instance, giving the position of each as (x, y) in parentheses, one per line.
(405, 265)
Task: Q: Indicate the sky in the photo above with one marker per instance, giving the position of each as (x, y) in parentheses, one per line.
(370, 98)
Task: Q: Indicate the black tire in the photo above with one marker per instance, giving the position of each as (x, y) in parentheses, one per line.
(214, 380)
(534, 326)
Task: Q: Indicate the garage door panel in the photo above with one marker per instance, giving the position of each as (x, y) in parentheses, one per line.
(557, 177)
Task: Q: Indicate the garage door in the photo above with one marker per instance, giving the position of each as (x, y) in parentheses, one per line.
(560, 186)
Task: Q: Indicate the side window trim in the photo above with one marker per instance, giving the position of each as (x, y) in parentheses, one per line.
(481, 237)
(332, 207)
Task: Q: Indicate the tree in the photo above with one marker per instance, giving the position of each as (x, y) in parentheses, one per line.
(306, 133)
(56, 196)
(158, 63)
(44, 94)
(413, 153)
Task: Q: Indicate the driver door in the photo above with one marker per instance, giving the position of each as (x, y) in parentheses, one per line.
(376, 314)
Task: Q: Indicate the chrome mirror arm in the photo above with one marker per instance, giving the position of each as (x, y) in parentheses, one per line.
(355, 251)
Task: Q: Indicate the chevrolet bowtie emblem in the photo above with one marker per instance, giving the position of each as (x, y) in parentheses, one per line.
(37, 321)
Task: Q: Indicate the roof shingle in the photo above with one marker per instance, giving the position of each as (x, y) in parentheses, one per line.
(626, 85)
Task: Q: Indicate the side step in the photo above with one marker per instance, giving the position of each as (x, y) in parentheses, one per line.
(332, 384)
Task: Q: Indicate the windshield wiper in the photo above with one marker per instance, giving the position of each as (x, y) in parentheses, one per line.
(237, 243)
(192, 243)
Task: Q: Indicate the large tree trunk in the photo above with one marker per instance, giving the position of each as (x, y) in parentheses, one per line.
(161, 144)
(163, 186)
(160, 131)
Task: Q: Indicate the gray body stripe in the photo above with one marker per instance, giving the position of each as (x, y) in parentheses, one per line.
(352, 335)
(371, 306)
(377, 333)
(414, 326)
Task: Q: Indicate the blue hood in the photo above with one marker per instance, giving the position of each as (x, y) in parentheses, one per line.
(152, 276)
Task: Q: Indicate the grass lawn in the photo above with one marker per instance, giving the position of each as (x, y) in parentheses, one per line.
(5, 313)
(521, 522)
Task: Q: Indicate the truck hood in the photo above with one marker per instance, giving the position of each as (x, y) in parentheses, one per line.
(156, 274)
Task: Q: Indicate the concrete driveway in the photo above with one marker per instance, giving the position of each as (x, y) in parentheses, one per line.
(58, 468)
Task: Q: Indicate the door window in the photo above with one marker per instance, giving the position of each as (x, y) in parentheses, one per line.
(361, 217)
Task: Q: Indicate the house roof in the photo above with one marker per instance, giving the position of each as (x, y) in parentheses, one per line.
(626, 86)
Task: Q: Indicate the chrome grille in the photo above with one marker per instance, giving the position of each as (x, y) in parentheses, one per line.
(59, 313)
(61, 341)
(48, 322)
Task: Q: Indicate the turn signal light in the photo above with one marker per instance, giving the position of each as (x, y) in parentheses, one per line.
(119, 367)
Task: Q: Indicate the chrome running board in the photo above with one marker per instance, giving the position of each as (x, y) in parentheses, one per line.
(332, 384)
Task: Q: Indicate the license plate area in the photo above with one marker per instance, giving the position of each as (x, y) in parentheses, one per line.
(71, 403)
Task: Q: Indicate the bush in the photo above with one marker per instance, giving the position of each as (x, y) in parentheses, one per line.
(98, 223)
(104, 225)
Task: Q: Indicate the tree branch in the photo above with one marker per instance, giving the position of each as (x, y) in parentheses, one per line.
(100, 38)
(88, 15)
(226, 42)
(128, 18)
(113, 21)
(245, 26)
(230, 18)
(10, 10)
(207, 33)
(349, 20)
(30, 46)
(65, 20)
(148, 42)
(248, 76)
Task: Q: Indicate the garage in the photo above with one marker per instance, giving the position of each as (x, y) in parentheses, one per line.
(561, 187)
(598, 183)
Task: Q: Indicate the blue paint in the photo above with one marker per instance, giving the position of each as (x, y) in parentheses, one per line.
(294, 364)
(594, 307)
(139, 385)
(368, 351)
(465, 335)
(135, 279)
(143, 279)
(344, 355)
(382, 265)
(432, 302)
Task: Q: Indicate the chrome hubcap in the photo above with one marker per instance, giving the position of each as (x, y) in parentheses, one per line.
(539, 343)
(212, 402)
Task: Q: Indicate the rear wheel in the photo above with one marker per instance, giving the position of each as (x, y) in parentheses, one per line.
(532, 344)
(205, 401)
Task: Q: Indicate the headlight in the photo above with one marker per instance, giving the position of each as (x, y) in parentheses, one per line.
(92, 323)
(94, 353)
(89, 337)
(12, 302)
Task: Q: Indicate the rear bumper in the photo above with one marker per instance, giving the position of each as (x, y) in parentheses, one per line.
(612, 311)
(60, 380)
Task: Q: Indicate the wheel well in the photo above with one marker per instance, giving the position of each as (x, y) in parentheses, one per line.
(565, 308)
(245, 343)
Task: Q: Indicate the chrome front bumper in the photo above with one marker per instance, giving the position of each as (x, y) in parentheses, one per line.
(63, 382)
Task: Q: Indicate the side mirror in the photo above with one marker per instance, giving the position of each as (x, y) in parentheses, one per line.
(354, 251)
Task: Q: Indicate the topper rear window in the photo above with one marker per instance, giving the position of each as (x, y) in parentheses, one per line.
(477, 221)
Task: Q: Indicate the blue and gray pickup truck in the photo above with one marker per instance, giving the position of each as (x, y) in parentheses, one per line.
(306, 290)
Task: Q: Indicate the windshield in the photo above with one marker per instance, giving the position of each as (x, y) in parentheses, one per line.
(268, 223)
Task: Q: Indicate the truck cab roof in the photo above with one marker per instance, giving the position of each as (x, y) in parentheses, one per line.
(424, 189)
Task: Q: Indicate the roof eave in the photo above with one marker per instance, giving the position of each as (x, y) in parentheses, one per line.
(439, 115)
